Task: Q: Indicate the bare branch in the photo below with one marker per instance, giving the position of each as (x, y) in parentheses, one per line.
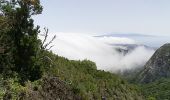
(44, 46)
(45, 38)
(50, 47)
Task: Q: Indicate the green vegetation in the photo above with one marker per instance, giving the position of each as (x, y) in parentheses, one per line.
(91, 83)
(83, 79)
(29, 71)
(24, 59)
(20, 39)
(158, 90)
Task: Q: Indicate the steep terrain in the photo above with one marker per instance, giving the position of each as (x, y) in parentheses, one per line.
(157, 90)
(69, 80)
(157, 67)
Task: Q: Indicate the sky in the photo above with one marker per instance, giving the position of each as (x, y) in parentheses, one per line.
(76, 22)
(106, 16)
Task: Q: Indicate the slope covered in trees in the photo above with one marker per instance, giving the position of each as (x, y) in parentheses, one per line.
(28, 71)
(79, 79)
(24, 63)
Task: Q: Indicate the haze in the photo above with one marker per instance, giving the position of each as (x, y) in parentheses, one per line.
(149, 20)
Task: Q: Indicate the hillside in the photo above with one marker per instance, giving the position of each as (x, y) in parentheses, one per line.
(157, 67)
(30, 71)
(158, 90)
(78, 79)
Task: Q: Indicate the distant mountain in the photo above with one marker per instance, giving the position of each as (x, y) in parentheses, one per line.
(126, 48)
(157, 67)
(124, 35)
(150, 40)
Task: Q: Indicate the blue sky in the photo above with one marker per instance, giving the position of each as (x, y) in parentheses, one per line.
(102, 17)
(150, 17)
(105, 16)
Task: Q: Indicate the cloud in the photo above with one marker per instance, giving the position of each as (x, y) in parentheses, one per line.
(117, 40)
(80, 47)
(136, 58)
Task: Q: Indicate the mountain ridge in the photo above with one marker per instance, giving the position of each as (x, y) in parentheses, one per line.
(125, 35)
(157, 67)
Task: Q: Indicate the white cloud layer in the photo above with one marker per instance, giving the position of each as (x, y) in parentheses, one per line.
(117, 40)
(80, 47)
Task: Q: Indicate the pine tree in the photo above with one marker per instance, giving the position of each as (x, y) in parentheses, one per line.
(23, 36)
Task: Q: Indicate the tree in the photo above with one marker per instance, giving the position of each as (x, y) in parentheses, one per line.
(23, 35)
(5, 42)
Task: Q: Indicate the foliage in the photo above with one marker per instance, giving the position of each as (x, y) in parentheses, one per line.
(22, 43)
(10, 88)
(158, 90)
(90, 83)
(24, 58)
(82, 77)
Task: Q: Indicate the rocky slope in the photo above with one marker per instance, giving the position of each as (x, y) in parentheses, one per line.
(157, 67)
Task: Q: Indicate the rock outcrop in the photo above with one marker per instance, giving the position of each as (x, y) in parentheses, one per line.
(157, 67)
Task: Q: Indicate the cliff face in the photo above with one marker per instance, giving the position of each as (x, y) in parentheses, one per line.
(157, 67)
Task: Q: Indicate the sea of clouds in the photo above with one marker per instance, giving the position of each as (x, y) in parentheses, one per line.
(80, 47)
